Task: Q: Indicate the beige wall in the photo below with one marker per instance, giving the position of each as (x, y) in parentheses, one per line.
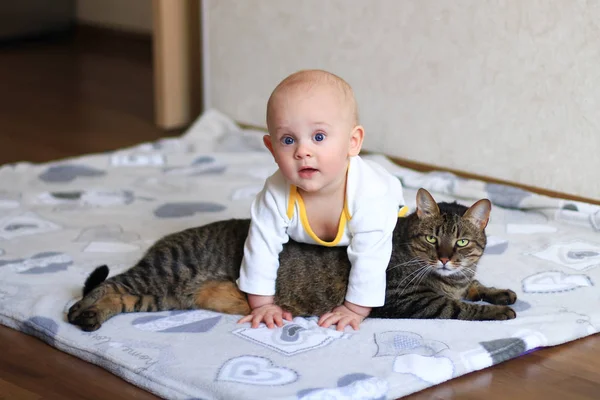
(507, 89)
(129, 15)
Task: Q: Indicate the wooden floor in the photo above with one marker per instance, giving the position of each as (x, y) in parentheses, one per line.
(93, 93)
(67, 96)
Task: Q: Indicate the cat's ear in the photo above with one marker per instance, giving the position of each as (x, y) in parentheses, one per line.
(426, 205)
(479, 213)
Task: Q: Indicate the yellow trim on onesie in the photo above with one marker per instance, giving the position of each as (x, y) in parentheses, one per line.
(308, 229)
(344, 218)
(292, 201)
(403, 211)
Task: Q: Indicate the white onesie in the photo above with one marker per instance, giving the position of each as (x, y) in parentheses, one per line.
(371, 209)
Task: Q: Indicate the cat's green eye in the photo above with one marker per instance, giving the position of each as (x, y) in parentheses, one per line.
(431, 239)
(462, 242)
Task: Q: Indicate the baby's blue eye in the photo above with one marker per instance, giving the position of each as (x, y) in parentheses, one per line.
(319, 137)
(287, 140)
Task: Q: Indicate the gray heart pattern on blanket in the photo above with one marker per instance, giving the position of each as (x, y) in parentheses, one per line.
(301, 335)
(554, 281)
(578, 255)
(69, 172)
(398, 343)
(28, 223)
(40, 263)
(291, 333)
(256, 370)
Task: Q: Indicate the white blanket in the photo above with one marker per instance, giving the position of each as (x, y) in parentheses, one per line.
(60, 220)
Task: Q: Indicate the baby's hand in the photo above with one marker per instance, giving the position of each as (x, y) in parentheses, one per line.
(342, 316)
(270, 314)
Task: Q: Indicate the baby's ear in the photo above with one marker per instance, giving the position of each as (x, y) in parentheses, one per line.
(268, 144)
(356, 140)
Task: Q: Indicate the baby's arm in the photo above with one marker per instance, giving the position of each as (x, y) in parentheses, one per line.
(369, 252)
(258, 271)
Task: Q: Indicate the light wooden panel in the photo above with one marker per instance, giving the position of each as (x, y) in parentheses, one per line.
(177, 62)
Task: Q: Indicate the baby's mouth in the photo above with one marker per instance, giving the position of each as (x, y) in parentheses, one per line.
(307, 172)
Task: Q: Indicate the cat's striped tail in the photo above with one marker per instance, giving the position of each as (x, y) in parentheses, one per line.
(96, 277)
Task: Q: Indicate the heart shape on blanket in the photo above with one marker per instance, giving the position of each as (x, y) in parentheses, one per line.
(68, 173)
(255, 371)
(554, 281)
(578, 255)
(397, 343)
(291, 332)
(301, 335)
(28, 223)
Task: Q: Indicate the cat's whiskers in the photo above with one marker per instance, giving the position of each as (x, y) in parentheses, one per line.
(462, 272)
(415, 260)
(422, 276)
(419, 274)
(416, 271)
(470, 270)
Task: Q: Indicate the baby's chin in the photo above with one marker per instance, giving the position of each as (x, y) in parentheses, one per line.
(308, 187)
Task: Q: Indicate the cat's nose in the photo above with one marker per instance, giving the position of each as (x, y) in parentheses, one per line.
(444, 260)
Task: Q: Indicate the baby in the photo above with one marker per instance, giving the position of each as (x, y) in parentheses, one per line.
(323, 193)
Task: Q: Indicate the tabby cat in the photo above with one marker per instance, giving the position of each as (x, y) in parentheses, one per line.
(435, 254)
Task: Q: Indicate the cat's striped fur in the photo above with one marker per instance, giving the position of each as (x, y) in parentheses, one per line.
(198, 267)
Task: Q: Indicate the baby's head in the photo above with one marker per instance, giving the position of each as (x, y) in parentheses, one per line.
(318, 85)
(312, 120)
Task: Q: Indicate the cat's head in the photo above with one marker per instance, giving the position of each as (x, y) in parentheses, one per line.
(449, 237)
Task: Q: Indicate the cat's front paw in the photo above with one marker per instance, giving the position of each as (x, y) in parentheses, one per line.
(503, 297)
(503, 313)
